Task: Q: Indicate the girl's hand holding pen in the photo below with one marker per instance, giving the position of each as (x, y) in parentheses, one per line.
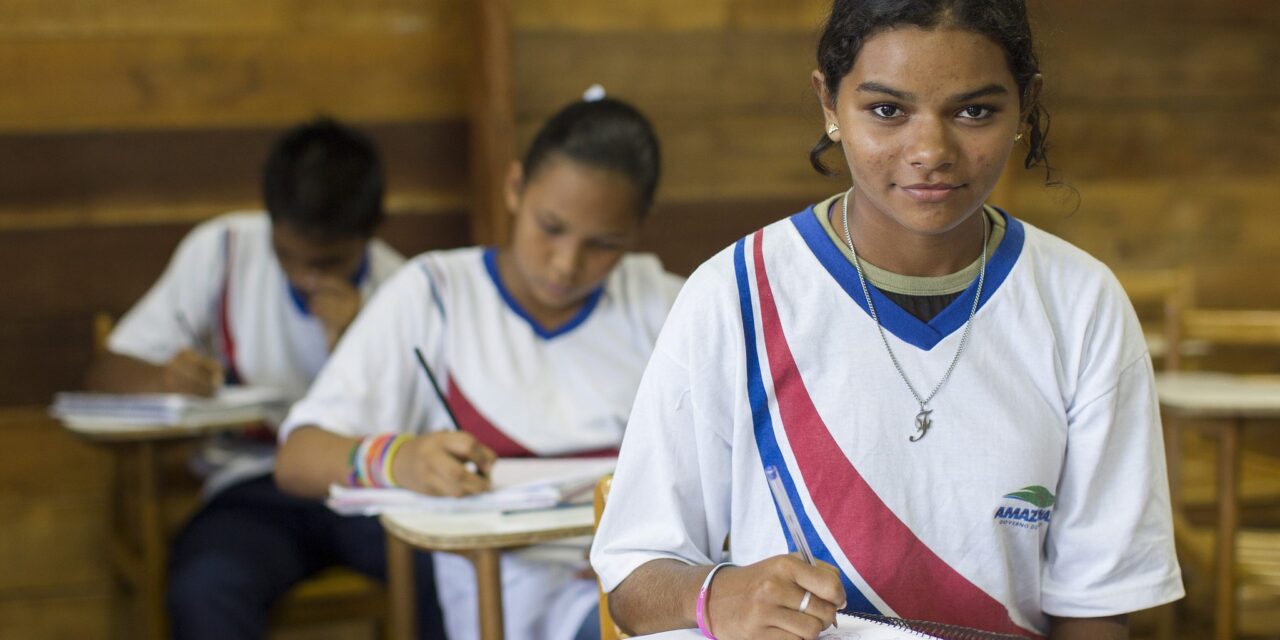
(762, 601)
(192, 373)
(447, 463)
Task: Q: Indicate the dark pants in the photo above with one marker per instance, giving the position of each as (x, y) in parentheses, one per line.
(251, 543)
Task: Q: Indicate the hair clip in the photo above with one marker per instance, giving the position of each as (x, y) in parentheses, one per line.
(594, 93)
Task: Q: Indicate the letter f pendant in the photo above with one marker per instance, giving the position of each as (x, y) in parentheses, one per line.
(922, 424)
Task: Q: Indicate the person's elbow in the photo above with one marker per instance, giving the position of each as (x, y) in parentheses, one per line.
(291, 472)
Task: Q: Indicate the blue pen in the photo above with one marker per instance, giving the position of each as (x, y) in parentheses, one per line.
(789, 517)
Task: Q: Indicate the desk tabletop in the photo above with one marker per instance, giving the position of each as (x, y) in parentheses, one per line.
(1206, 394)
(487, 530)
(116, 431)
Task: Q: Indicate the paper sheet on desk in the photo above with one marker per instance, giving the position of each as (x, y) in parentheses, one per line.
(112, 411)
(851, 628)
(519, 484)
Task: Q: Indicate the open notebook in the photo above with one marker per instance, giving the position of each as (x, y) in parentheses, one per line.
(518, 484)
(111, 411)
(869, 627)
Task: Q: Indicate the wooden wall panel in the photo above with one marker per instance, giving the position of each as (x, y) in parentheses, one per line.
(668, 15)
(58, 616)
(59, 180)
(112, 18)
(71, 84)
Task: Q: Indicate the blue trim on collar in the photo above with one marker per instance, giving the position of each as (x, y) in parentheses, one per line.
(893, 318)
(588, 305)
(301, 301)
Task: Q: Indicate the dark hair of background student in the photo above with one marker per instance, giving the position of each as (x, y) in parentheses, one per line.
(603, 134)
(325, 180)
(852, 22)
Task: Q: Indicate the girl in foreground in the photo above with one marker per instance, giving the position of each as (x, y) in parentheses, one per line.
(960, 406)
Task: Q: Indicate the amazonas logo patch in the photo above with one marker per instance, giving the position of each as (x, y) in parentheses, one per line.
(1040, 510)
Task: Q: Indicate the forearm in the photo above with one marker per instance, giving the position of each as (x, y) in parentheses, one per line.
(660, 595)
(311, 459)
(114, 373)
(1109, 628)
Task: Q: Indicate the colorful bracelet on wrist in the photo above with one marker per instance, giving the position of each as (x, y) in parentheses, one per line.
(704, 594)
(371, 460)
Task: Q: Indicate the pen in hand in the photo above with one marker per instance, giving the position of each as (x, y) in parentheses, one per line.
(191, 370)
(789, 517)
(457, 426)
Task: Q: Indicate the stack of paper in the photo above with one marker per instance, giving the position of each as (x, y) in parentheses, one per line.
(90, 411)
(518, 484)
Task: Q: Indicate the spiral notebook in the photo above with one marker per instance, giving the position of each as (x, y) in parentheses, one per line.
(863, 626)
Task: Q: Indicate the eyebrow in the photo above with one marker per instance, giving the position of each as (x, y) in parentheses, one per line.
(989, 90)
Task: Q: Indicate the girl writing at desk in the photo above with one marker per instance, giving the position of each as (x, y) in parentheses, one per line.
(539, 346)
(961, 406)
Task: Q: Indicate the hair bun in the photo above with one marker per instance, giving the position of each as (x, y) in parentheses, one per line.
(594, 93)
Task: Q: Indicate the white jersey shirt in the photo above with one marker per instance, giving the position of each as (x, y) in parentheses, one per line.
(519, 388)
(225, 293)
(1040, 488)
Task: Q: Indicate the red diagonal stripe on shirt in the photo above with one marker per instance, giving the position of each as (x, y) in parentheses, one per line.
(474, 423)
(901, 569)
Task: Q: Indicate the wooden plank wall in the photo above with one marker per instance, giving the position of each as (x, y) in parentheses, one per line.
(124, 122)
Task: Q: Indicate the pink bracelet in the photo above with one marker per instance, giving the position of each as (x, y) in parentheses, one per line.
(704, 623)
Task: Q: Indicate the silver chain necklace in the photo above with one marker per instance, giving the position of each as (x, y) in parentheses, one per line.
(923, 421)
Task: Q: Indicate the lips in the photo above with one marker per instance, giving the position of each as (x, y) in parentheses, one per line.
(931, 192)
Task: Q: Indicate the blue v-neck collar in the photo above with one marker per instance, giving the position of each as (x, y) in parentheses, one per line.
(588, 305)
(895, 320)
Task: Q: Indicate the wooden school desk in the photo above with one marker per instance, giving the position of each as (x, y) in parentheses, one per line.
(479, 537)
(138, 545)
(1223, 404)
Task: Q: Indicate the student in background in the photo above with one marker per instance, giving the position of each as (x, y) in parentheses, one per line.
(960, 405)
(538, 344)
(260, 299)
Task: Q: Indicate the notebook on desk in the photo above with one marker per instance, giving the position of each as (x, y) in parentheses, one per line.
(111, 411)
(869, 627)
(518, 484)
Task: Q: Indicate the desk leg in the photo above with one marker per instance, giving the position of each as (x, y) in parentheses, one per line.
(1228, 522)
(488, 564)
(152, 542)
(403, 595)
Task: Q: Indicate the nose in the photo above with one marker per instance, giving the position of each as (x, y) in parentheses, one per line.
(931, 146)
(565, 260)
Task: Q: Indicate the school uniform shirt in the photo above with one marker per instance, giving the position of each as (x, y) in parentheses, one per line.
(519, 388)
(1039, 490)
(225, 293)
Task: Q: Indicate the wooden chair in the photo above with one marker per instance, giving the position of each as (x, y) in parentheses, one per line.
(1160, 297)
(608, 630)
(1193, 472)
(331, 596)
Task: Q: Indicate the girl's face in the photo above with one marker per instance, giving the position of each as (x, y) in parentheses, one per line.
(573, 223)
(927, 120)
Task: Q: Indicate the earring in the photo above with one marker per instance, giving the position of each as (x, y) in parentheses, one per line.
(831, 129)
(1017, 137)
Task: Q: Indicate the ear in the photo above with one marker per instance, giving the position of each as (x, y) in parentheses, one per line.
(827, 101)
(514, 186)
(1031, 97)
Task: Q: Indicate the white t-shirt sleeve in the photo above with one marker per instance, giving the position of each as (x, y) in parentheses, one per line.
(186, 294)
(671, 489)
(1110, 544)
(372, 382)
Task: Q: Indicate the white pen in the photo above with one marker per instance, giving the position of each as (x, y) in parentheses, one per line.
(789, 516)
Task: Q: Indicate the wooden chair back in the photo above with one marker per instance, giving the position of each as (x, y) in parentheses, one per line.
(608, 630)
(1168, 293)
